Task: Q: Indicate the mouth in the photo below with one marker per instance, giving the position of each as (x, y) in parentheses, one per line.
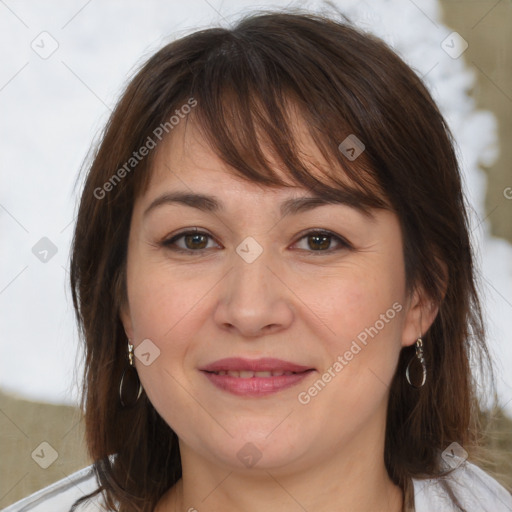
(264, 364)
(247, 374)
(255, 378)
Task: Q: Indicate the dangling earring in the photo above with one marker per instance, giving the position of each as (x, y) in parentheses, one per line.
(130, 387)
(419, 359)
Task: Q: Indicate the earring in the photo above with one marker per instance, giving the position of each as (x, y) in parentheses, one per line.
(130, 387)
(419, 359)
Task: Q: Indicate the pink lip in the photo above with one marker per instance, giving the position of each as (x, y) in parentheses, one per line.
(254, 365)
(255, 386)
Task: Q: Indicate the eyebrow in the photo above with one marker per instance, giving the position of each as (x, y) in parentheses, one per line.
(291, 206)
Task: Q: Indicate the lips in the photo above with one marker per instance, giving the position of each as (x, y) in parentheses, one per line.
(248, 374)
(255, 378)
(266, 364)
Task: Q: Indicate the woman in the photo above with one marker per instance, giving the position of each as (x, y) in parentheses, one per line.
(272, 273)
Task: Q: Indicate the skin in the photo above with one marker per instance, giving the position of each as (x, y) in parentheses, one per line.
(294, 302)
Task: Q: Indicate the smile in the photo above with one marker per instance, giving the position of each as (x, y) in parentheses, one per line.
(247, 374)
(254, 384)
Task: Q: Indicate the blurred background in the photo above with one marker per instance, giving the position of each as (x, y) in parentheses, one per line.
(64, 65)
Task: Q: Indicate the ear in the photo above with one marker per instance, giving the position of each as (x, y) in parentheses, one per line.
(421, 310)
(124, 306)
(420, 313)
(126, 319)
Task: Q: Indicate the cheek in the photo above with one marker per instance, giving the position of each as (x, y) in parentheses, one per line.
(165, 309)
(165, 312)
(358, 301)
(364, 313)
(164, 299)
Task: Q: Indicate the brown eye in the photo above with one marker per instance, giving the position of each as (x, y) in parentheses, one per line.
(189, 241)
(195, 241)
(314, 241)
(320, 241)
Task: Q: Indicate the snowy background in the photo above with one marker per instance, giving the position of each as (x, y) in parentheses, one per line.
(64, 65)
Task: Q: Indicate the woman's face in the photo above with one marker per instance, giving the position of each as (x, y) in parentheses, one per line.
(261, 280)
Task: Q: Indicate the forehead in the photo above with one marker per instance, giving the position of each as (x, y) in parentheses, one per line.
(186, 158)
(255, 158)
(188, 172)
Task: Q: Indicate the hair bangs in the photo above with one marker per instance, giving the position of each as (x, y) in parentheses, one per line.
(258, 127)
(264, 120)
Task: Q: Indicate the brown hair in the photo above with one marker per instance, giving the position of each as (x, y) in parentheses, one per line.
(342, 82)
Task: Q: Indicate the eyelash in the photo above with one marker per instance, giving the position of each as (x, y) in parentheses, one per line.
(171, 241)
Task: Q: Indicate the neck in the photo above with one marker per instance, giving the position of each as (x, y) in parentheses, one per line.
(233, 493)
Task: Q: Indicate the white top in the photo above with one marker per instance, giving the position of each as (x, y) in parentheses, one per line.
(475, 489)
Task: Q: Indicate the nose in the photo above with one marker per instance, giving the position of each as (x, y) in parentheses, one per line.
(252, 299)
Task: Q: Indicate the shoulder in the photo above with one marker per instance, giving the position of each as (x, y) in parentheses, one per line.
(475, 490)
(60, 496)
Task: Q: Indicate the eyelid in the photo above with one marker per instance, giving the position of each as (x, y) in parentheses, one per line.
(167, 242)
(343, 242)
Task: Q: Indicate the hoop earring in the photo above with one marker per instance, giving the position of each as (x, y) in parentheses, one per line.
(419, 359)
(130, 387)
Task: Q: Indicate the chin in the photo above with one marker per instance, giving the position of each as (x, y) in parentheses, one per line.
(260, 448)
